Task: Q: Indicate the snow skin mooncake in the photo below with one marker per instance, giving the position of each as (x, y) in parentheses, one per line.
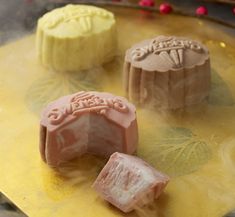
(129, 182)
(87, 122)
(76, 37)
(167, 72)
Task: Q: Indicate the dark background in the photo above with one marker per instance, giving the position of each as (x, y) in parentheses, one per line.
(17, 17)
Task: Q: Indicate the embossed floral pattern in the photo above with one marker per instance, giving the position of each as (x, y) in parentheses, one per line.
(168, 48)
(81, 15)
(86, 102)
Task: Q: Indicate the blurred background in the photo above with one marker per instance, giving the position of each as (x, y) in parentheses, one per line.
(19, 16)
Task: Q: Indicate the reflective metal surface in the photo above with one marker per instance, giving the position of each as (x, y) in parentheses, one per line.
(196, 147)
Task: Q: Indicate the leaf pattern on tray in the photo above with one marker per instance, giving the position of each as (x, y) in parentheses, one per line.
(178, 151)
(220, 95)
(55, 85)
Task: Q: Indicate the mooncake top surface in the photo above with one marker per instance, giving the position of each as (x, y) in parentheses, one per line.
(165, 53)
(68, 108)
(75, 21)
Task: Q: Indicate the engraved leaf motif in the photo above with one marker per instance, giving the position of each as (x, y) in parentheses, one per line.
(70, 14)
(167, 58)
(53, 86)
(178, 151)
(85, 23)
(54, 22)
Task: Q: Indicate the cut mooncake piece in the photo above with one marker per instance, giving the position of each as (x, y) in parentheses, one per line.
(76, 37)
(128, 182)
(87, 122)
(168, 72)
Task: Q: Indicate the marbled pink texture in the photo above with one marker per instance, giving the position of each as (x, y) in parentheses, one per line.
(128, 182)
(89, 130)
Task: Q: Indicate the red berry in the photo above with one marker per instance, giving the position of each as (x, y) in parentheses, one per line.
(202, 10)
(234, 10)
(146, 3)
(165, 8)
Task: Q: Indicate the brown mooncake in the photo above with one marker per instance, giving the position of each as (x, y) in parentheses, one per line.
(167, 72)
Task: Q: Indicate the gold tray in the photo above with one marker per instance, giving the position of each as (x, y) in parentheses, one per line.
(196, 147)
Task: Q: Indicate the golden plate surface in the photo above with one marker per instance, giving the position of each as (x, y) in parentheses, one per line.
(196, 147)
